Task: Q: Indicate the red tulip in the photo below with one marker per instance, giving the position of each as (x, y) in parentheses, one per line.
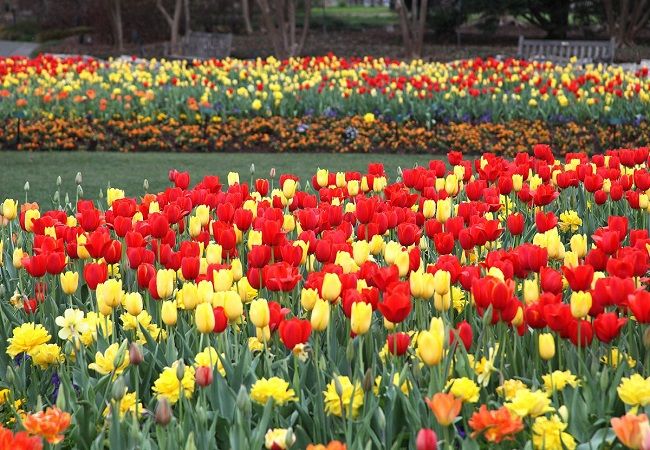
(396, 305)
(545, 221)
(579, 278)
(444, 243)
(580, 332)
(639, 304)
(280, 276)
(398, 343)
(608, 326)
(220, 319)
(426, 440)
(95, 273)
(515, 224)
(204, 376)
(113, 252)
(464, 331)
(159, 225)
(294, 331)
(190, 267)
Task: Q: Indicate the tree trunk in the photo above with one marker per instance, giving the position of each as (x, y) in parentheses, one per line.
(116, 19)
(625, 22)
(246, 13)
(413, 26)
(173, 22)
(188, 23)
(280, 22)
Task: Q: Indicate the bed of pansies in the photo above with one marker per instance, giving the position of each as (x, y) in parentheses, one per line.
(487, 303)
(318, 103)
(342, 135)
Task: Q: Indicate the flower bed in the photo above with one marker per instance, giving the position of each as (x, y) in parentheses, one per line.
(310, 134)
(481, 303)
(462, 91)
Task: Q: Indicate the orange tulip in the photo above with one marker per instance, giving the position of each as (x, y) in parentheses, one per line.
(49, 424)
(495, 425)
(333, 445)
(445, 407)
(630, 429)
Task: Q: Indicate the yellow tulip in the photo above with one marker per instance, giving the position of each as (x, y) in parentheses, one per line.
(110, 292)
(443, 210)
(331, 287)
(320, 315)
(546, 346)
(233, 306)
(322, 177)
(429, 348)
(360, 252)
(188, 296)
(223, 280)
(17, 257)
(133, 303)
(442, 282)
(30, 215)
(361, 317)
(578, 245)
(308, 298)
(169, 313)
(213, 253)
(69, 282)
(289, 188)
(165, 280)
(531, 291)
(259, 313)
(10, 209)
(580, 304)
(204, 318)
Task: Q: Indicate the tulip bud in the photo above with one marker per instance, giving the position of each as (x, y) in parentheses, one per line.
(546, 346)
(646, 338)
(135, 354)
(58, 180)
(80, 191)
(118, 389)
(381, 419)
(367, 383)
(26, 186)
(243, 401)
(169, 313)
(180, 370)
(349, 350)
(163, 412)
(78, 179)
(252, 169)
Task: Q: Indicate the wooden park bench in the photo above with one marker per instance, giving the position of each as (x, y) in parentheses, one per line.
(202, 46)
(560, 52)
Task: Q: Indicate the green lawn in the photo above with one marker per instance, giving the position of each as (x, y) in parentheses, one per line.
(128, 170)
